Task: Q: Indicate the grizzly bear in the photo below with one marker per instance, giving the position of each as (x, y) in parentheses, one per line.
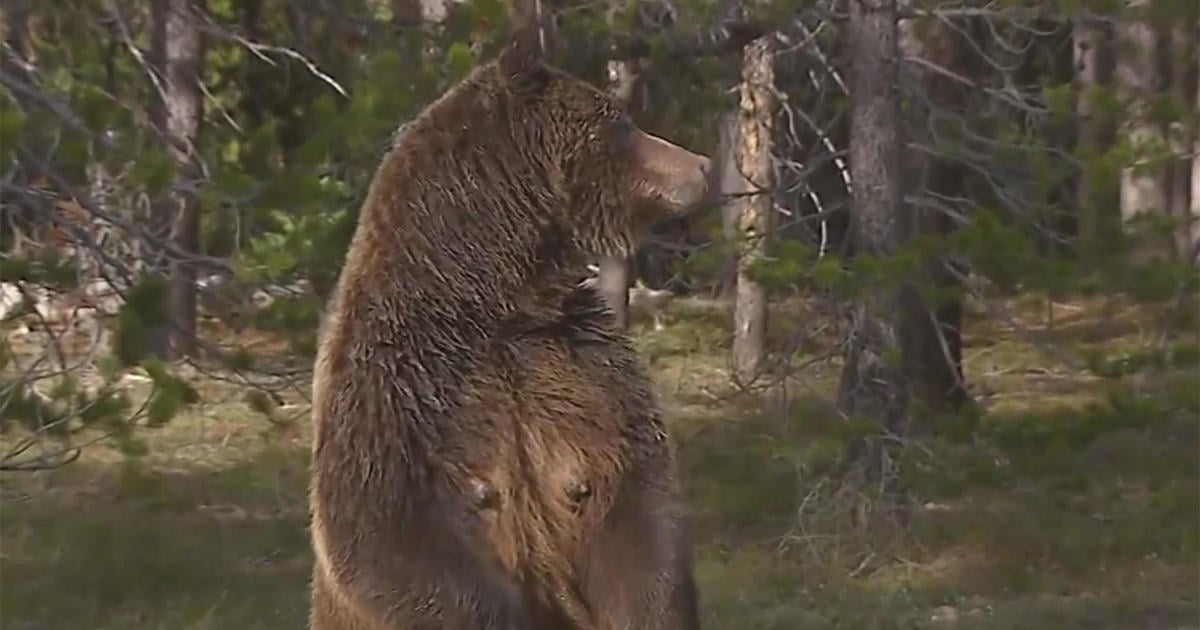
(488, 454)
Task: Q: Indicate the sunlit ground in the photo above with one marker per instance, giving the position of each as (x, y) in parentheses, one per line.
(1074, 502)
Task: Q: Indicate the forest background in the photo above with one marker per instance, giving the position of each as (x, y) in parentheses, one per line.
(932, 361)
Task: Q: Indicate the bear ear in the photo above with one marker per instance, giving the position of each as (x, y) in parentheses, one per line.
(521, 59)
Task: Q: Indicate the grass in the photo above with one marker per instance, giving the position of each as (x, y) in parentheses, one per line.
(1073, 501)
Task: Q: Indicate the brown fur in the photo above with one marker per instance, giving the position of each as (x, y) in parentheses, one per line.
(488, 454)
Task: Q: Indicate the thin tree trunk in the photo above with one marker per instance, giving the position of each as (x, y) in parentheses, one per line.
(177, 48)
(1194, 230)
(17, 61)
(99, 183)
(1097, 202)
(753, 157)
(1143, 184)
(873, 383)
(411, 13)
(1182, 69)
(613, 283)
(16, 14)
(731, 183)
(525, 12)
(613, 277)
(934, 367)
(406, 13)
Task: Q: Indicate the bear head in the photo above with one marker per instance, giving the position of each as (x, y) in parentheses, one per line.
(617, 180)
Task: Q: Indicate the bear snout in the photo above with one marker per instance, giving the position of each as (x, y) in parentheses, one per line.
(699, 187)
(672, 175)
(691, 184)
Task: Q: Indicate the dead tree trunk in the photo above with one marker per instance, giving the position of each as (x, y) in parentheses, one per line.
(752, 155)
(177, 48)
(873, 383)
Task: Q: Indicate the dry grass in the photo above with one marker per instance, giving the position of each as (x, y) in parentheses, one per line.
(1062, 507)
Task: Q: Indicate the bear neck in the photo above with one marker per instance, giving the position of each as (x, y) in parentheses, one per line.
(448, 264)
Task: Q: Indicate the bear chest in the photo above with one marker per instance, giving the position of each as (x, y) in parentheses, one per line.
(548, 430)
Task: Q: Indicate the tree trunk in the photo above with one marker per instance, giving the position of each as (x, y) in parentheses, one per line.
(19, 58)
(18, 61)
(1194, 216)
(752, 155)
(411, 13)
(934, 367)
(1182, 69)
(731, 183)
(177, 48)
(1194, 202)
(614, 268)
(407, 13)
(99, 183)
(873, 383)
(1097, 203)
(1143, 183)
(525, 12)
(613, 283)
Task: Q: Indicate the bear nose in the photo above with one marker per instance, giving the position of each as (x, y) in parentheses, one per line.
(710, 177)
(701, 185)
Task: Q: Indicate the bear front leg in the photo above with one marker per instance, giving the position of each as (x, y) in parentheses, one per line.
(423, 564)
(637, 572)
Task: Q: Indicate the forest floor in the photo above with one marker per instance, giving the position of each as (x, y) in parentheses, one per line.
(1071, 501)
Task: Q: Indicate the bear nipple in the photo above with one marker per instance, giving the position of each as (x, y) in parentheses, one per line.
(579, 492)
(482, 495)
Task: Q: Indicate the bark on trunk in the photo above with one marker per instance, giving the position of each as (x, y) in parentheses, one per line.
(1143, 184)
(753, 158)
(1098, 204)
(177, 48)
(873, 383)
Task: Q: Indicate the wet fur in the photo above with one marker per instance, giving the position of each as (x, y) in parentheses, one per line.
(466, 386)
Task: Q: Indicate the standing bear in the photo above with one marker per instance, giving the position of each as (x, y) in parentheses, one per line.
(488, 454)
